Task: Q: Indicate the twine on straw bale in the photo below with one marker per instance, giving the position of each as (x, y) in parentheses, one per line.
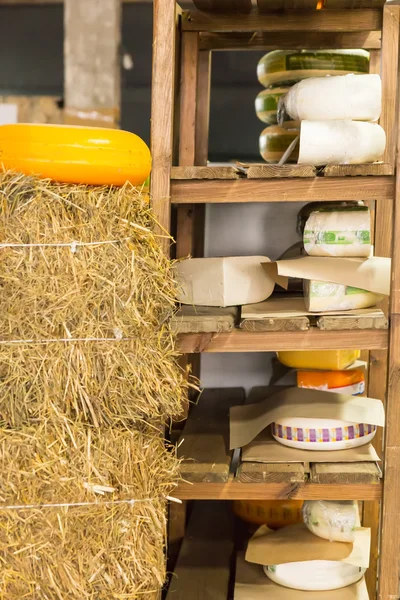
(82, 263)
(95, 552)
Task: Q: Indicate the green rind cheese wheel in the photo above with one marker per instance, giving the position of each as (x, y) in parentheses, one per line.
(267, 104)
(275, 140)
(286, 67)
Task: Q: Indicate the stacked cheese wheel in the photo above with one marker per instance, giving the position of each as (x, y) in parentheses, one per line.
(280, 69)
(333, 521)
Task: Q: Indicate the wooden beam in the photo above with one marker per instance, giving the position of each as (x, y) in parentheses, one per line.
(290, 40)
(281, 491)
(283, 190)
(390, 72)
(162, 109)
(313, 339)
(237, 6)
(92, 62)
(321, 20)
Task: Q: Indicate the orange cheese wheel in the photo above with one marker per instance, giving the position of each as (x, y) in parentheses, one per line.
(329, 379)
(274, 513)
(68, 154)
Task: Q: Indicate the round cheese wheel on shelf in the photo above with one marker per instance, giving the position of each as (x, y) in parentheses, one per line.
(69, 154)
(275, 140)
(327, 360)
(273, 513)
(322, 434)
(315, 575)
(267, 104)
(334, 521)
(351, 381)
(285, 67)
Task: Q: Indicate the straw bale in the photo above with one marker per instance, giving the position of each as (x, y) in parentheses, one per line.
(97, 552)
(118, 288)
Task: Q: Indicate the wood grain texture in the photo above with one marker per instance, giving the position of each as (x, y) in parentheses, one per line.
(197, 319)
(322, 20)
(178, 173)
(358, 170)
(292, 40)
(203, 567)
(188, 87)
(267, 5)
(353, 322)
(283, 190)
(236, 490)
(276, 324)
(389, 74)
(204, 442)
(203, 107)
(273, 171)
(345, 473)
(313, 339)
(255, 472)
(92, 37)
(162, 109)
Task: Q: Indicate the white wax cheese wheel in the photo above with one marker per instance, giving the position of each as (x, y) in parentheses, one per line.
(355, 97)
(334, 521)
(340, 142)
(275, 140)
(322, 434)
(338, 232)
(322, 296)
(227, 281)
(285, 67)
(315, 575)
(267, 104)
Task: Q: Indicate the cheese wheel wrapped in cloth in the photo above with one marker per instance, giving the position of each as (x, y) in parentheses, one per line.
(334, 521)
(344, 231)
(285, 67)
(340, 142)
(355, 97)
(323, 296)
(315, 575)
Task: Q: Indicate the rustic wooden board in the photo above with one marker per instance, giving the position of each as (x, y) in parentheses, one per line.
(276, 324)
(345, 473)
(252, 472)
(345, 20)
(293, 40)
(277, 171)
(203, 567)
(204, 442)
(204, 173)
(194, 319)
(358, 170)
(376, 320)
(302, 189)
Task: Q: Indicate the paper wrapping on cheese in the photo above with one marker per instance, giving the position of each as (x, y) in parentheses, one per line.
(322, 296)
(248, 420)
(338, 232)
(292, 307)
(226, 281)
(340, 143)
(265, 449)
(252, 584)
(371, 274)
(355, 97)
(295, 543)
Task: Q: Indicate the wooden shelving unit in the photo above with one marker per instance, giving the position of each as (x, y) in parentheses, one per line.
(183, 43)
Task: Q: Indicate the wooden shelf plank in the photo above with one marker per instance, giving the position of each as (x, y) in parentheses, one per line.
(234, 490)
(204, 442)
(346, 20)
(203, 319)
(282, 190)
(204, 173)
(255, 472)
(293, 40)
(339, 473)
(358, 170)
(313, 339)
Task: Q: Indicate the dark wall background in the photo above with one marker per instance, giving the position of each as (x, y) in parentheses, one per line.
(31, 63)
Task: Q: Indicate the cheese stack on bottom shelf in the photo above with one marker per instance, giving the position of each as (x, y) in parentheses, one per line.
(280, 69)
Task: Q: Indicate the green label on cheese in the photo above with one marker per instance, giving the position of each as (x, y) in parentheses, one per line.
(360, 236)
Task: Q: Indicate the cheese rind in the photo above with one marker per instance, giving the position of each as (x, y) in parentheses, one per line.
(338, 232)
(355, 97)
(275, 140)
(315, 575)
(334, 521)
(322, 296)
(340, 142)
(227, 281)
(266, 104)
(332, 360)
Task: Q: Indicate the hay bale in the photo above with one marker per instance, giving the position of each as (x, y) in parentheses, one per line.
(109, 281)
(100, 551)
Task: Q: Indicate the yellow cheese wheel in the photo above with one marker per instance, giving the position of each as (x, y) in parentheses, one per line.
(68, 154)
(274, 513)
(325, 360)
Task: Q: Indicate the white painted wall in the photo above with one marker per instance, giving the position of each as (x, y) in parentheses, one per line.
(241, 230)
